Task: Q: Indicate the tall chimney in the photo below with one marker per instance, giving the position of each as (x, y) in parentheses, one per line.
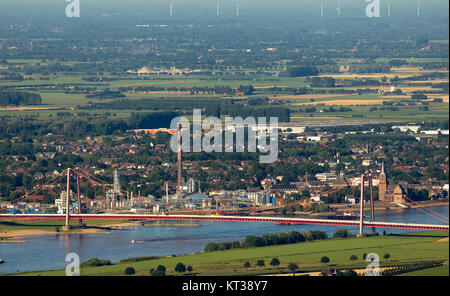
(167, 191)
(179, 159)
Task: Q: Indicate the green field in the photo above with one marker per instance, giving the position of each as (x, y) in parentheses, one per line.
(403, 249)
(435, 271)
(56, 99)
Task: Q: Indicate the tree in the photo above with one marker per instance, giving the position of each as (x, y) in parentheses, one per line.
(364, 256)
(342, 233)
(260, 263)
(159, 271)
(247, 265)
(325, 259)
(130, 271)
(190, 269)
(275, 262)
(252, 241)
(180, 267)
(353, 257)
(300, 71)
(292, 267)
(349, 272)
(387, 256)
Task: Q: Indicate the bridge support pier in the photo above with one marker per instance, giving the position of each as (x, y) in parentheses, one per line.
(79, 198)
(68, 200)
(361, 208)
(372, 205)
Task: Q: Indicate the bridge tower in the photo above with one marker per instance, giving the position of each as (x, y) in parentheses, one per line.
(179, 173)
(79, 199)
(372, 206)
(369, 178)
(382, 185)
(68, 200)
(361, 207)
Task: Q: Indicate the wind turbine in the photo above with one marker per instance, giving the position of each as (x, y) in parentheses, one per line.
(418, 7)
(321, 8)
(389, 7)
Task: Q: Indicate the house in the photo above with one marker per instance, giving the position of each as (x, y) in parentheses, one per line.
(289, 189)
(350, 199)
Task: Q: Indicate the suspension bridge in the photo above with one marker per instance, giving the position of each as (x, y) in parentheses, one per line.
(217, 215)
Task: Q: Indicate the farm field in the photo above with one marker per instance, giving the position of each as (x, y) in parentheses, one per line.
(406, 248)
(435, 271)
(57, 92)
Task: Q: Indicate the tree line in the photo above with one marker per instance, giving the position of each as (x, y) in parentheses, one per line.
(269, 239)
(19, 98)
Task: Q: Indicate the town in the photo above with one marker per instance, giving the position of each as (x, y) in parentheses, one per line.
(142, 170)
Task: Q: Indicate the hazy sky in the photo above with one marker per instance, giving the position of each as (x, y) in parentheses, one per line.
(206, 8)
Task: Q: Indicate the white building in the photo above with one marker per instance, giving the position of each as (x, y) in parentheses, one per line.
(315, 198)
(406, 128)
(436, 132)
(292, 129)
(350, 199)
(309, 139)
(326, 177)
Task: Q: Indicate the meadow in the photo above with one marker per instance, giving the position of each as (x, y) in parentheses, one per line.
(405, 248)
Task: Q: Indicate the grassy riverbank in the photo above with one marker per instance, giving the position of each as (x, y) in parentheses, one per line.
(10, 230)
(405, 248)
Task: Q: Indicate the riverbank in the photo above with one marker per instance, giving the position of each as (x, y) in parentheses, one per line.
(402, 249)
(10, 236)
(379, 207)
(15, 233)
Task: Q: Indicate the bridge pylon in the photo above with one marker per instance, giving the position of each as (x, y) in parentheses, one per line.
(68, 200)
(369, 178)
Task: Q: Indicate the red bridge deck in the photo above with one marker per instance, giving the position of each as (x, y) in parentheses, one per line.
(349, 223)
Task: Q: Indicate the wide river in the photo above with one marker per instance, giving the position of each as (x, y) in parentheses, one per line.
(49, 251)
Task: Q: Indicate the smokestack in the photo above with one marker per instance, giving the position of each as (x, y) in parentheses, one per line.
(171, 9)
(167, 192)
(237, 9)
(179, 159)
(218, 9)
(339, 7)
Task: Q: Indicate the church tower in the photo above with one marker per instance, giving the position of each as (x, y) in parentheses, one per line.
(382, 185)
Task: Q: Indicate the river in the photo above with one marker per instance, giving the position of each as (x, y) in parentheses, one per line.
(49, 251)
